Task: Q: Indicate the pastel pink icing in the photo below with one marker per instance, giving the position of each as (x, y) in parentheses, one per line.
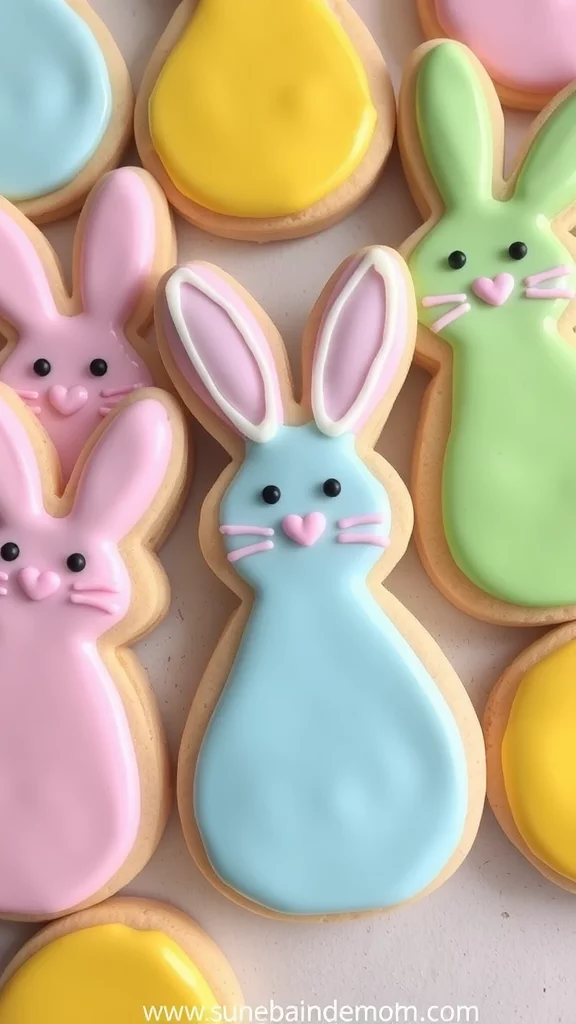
(526, 44)
(118, 250)
(69, 781)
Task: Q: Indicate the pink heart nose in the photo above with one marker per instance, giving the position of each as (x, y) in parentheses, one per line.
(304, 530)
(38, 585)
(67, 401)
(495, 291)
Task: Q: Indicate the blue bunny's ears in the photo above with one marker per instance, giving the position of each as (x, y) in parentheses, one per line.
(223, 356)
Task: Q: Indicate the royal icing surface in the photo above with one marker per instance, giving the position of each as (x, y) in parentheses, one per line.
(332, 777)
(261, 110)
(70, 791)
(493, 279)
(105, 973)
(72, 370)
(539, 760)
(526, 44)
(56, 96)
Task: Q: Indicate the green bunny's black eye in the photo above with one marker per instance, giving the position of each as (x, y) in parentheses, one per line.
(518, 250)
(457, 259)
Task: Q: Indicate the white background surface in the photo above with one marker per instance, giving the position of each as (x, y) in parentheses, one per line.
(497, 934)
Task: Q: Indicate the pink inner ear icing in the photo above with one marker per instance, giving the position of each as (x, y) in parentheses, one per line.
(527, 45)
(118, 246)
(360, 342)
(25, 296)
(236, 356)
(125, 470)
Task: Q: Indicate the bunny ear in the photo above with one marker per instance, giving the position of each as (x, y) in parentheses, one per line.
(548, 174)
(21, 491)
(362, 338)
(118, 244)
(126, 469)
(455, 124)
(222, 351)
(25, 295)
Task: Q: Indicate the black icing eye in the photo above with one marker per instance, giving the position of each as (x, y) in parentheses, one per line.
(271, 494)
(76, 562)
(518, 250)
(98, 367)
(9, 551)
(42, 367)
(332, 487)
(457, 259)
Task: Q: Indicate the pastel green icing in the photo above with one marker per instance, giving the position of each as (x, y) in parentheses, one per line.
(509, 477)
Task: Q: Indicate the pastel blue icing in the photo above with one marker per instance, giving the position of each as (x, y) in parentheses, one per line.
(332, 777)
(55, 96)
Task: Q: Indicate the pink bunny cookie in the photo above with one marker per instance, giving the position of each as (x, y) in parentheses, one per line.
(72, 359)
(83, 775)
(527, 46)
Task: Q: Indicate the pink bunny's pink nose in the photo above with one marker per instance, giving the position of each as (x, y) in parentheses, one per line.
(495, 291)
(38, 585)
(304, 530)
(67, 401)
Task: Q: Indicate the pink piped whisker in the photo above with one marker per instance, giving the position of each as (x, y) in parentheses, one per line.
(449, 318)
(118, 392)
(95, 588)
(442, 300)
(3, 575)
(105, 409)
(548, 275)
(250, 549)
(36, 409)
(248, 531)
(3, 592)
(28, 396)
(550, 293)
(364, 538)
(94, 601)
(369, 520)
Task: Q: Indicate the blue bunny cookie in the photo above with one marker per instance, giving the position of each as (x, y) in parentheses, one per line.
(332, 763)
(65, 104)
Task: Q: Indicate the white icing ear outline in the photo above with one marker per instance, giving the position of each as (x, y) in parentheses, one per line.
(376, 259)
(258, 432)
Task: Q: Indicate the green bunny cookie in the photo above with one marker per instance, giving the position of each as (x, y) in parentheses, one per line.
(494, 273)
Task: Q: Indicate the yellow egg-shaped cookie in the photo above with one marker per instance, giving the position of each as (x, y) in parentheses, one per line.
(262, 109)
(531, 736)
(115, 972)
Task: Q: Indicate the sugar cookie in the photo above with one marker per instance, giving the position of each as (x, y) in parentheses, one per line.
(113, 964)
(66, 108)
(332, 763)
(494, 477)
(83, 799)
(72, 359)
(525, 45)
(529, 725)
(265, 121)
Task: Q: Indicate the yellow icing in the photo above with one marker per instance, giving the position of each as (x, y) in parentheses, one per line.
(539, 760)
(263, 107)
(103, 975)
